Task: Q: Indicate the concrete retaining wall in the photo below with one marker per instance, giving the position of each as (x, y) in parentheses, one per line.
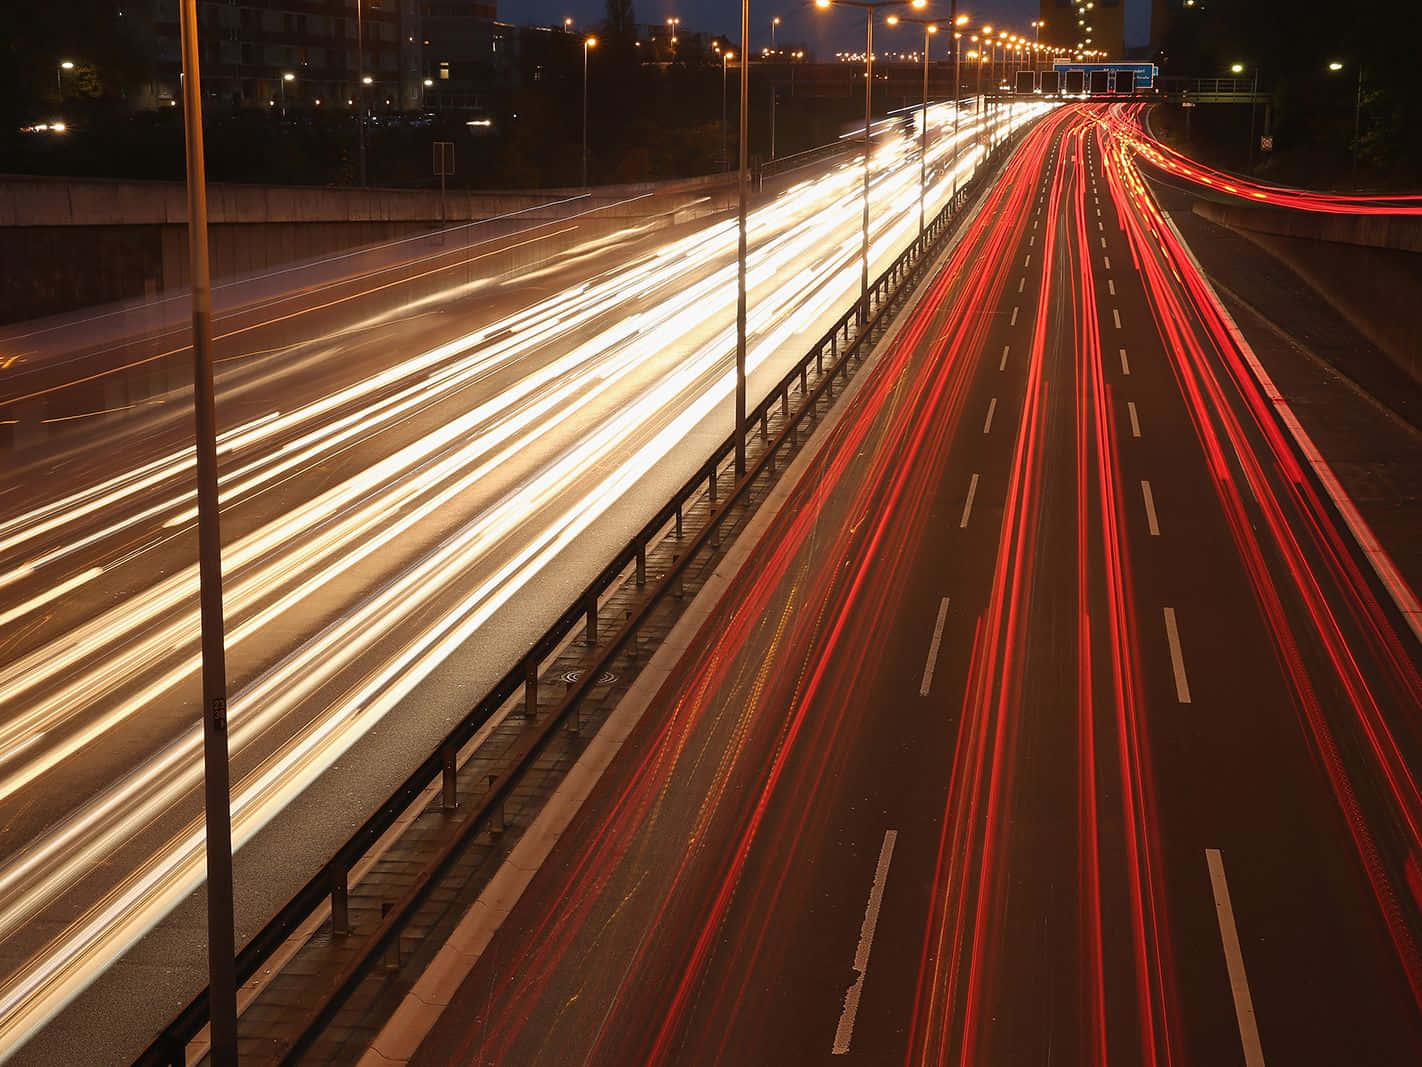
(1367, 267)
(71, 244)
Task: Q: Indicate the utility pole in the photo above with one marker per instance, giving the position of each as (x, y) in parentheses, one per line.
(217, 803)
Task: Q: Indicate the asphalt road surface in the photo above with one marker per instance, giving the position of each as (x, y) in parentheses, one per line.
(1058, 719)
(422, 462)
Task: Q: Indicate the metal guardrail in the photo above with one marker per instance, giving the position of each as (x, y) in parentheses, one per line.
(845, 340)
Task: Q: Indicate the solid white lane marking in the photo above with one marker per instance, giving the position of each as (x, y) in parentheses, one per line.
(1107, 261)
(1002, 364)
(1234, 962)
(987, 422)
(1111, 286)
(1125, 363)
(1382, 564)
(1150, 508)
(968, 504)
(1135, 422)
(1021, 282)
(1177, 659)
(1014, 316)
(845, 1030)
(933, 649)
(1116, 314)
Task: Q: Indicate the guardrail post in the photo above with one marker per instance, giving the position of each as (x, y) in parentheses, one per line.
(785, 403)
(592, 621)
(340, 901)
(530, 688)
(448, 757)
(641, 565)
(804, 381)
(711, 484)
(764, 426)
(496, 817)
(392, 949)
(678, 520)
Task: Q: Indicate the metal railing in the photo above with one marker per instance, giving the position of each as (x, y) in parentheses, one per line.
(848, 339)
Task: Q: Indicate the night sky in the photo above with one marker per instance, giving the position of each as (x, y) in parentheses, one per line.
(825, 32)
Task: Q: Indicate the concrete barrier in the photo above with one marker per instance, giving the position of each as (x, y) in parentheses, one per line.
(1367, 267)
(1401, 232)
(68, 244)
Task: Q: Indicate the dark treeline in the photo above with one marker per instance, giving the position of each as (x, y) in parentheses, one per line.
(1292, 43)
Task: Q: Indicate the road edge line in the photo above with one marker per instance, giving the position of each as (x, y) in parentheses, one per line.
(1403, 597)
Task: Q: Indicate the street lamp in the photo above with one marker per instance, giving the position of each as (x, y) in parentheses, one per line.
(1238, 68)
(1335, 67)
(589, 43)
(961, 20)
(870, 9)
(726, 58)
(284, 79)
(929, 28)
(773, 23)
(217, 795)
(360, 91)
(64, 65)
(675, 24)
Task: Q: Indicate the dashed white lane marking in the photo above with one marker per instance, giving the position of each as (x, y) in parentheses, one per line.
(1177, 660)
(1107, 261)
(987, 423)
(1234, 961)
(1100, 225)
(968, 504)
(1014, 316)
(1027, 262)
(1032, 240)
(1103, 242)
(845, 1030)
(1111, 286)
(1002, 364)
(933, 649)
(1034, 224)
(1151, 522)
(1021, 282)
(1125, 363)
(1135, 422)
(1116, 315)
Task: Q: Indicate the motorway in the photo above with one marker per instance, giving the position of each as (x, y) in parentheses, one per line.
(1057, 717)
(420, 467)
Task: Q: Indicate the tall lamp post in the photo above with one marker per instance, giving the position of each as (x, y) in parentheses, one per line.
(742, 248)
(217, 803)
(59, 72)
(961, 20)
(1238, 68)
(285, 79)
(589, 43)
(364, 80)
(726, 58)
(929, 28)
(870, 9)
(1333, 68)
